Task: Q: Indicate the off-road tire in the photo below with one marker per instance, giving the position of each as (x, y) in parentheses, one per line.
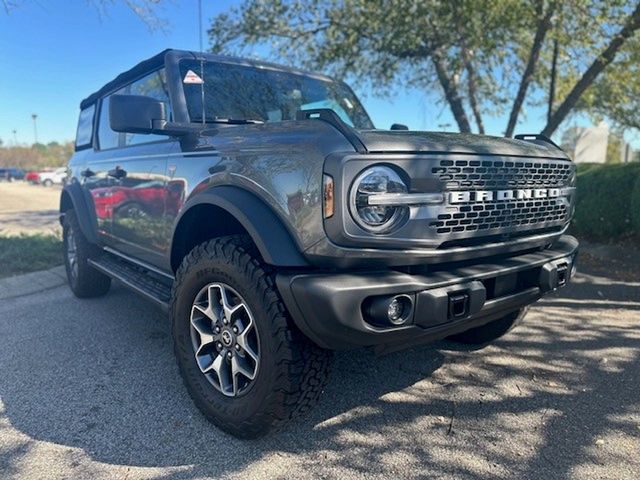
(87, 282)
(293, 371)
(485, 334)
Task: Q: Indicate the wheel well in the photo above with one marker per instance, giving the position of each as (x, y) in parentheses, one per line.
(65, 202)
(199, 224)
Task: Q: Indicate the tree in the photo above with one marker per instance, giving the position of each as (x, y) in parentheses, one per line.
(145, 10)
(481, 57)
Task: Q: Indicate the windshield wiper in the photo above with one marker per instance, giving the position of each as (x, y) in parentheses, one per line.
(235, 121)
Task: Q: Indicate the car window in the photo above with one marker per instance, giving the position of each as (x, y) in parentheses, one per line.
(154, 86)
(85, 126)
(107, 138)
(247, 93)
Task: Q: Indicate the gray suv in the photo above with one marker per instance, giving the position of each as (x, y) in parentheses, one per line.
(262, 210)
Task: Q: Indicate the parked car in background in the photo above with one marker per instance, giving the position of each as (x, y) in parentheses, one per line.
(10, 174)
(32, 177)
(56, 177)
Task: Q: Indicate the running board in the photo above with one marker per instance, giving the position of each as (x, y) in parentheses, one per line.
(144, 282)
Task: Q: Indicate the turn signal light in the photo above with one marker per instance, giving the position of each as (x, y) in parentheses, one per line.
(327, 195)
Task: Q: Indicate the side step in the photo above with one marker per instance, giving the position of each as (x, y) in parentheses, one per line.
(145, 282)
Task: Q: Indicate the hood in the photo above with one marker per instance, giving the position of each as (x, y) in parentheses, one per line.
(383, 141)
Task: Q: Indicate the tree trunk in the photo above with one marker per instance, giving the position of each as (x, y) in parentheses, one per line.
(554, 74)
(471, 85)
(451, 93)
(598, 65)
(543, 27)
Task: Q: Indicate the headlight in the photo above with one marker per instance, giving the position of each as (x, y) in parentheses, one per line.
(377, 218)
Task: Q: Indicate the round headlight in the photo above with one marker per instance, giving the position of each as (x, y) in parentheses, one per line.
(377, 218)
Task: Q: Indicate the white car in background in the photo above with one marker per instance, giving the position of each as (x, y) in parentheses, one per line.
(55, 177)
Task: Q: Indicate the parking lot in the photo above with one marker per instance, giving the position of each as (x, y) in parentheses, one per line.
(26, 208)
(90, 389)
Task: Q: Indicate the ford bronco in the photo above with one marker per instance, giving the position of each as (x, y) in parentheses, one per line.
(261, 209)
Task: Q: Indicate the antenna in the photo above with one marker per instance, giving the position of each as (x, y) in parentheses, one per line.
(200, 24)
(201, 60)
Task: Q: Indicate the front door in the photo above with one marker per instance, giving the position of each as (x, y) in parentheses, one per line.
(138, 197)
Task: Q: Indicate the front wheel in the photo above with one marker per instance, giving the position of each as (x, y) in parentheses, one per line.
(491, 331)
(47, 183)
(247, 368)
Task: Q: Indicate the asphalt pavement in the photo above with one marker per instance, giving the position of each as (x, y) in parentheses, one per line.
(90, 389)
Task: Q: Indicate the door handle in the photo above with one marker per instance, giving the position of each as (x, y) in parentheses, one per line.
(87, 173)
(117, 172)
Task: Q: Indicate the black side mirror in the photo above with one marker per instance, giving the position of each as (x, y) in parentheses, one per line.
(136, 114)
(399, 126)
(140, 114)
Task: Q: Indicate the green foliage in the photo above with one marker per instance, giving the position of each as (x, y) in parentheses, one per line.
(29, 253)
(608, 202)
(471, 53)
(635, 205)
(615, 145)
(37, 156)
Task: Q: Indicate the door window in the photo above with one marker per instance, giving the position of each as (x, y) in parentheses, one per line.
(85, 127)
(154, 86)
(107, 138)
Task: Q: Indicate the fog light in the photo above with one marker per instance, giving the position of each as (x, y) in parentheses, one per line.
(394, 310)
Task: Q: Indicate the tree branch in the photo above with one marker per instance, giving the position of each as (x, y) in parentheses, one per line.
(599, 64)
(471, 87)
(451, 92)
(543, 27)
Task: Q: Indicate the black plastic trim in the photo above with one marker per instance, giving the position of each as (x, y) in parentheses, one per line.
(327, 306)
(86, 215)
(275, 243)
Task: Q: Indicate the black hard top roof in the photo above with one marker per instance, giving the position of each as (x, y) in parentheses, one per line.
(158, 61)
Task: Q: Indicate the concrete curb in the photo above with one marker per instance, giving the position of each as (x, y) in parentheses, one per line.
(31, 283)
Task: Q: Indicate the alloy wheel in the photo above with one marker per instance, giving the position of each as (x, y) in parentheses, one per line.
(225, 339)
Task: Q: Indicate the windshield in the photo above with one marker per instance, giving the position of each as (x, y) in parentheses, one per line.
(237, 92)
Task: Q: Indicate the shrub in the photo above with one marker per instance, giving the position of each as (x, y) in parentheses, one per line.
(635, 206)
(608, 202)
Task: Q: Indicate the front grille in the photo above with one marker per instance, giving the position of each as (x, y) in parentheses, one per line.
(495, 217)
(503, 215)
(503, 174)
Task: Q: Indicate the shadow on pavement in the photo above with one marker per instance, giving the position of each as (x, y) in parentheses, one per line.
(99, 375)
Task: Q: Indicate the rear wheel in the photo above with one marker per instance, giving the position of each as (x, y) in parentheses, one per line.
(84, 280)
(48, 183)
(247, 368)
(491, 331)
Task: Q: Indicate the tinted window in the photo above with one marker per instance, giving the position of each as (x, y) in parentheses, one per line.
(154, 86)
(107, 138)
(85, 126)
(249, 93)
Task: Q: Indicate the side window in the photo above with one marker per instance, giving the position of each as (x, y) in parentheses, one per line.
(153, 85)
(107, 138)
(85, 127)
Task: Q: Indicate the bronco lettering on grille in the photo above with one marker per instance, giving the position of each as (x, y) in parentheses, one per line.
(489, 196)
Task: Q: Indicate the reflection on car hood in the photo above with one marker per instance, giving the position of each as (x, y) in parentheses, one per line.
(433, 142)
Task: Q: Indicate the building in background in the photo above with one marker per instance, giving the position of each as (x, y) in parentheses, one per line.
(597, 145)
(587, 145)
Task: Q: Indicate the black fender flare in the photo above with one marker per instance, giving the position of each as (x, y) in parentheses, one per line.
(267, 230)
(73, 196)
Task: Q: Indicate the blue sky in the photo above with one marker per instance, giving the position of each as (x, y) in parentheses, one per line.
(54, 53)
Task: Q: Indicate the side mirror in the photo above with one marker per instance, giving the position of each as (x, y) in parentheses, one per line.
(399, 126)
(140, 114)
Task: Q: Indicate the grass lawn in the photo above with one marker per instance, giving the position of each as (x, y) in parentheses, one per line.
(29, 253)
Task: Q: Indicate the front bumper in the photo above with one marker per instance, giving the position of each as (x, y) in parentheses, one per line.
(331, 308)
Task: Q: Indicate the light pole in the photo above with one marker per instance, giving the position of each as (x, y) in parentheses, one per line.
(15, 136)
(35, 127)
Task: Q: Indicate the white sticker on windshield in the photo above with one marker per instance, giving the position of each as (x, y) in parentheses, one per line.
(193, 78)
